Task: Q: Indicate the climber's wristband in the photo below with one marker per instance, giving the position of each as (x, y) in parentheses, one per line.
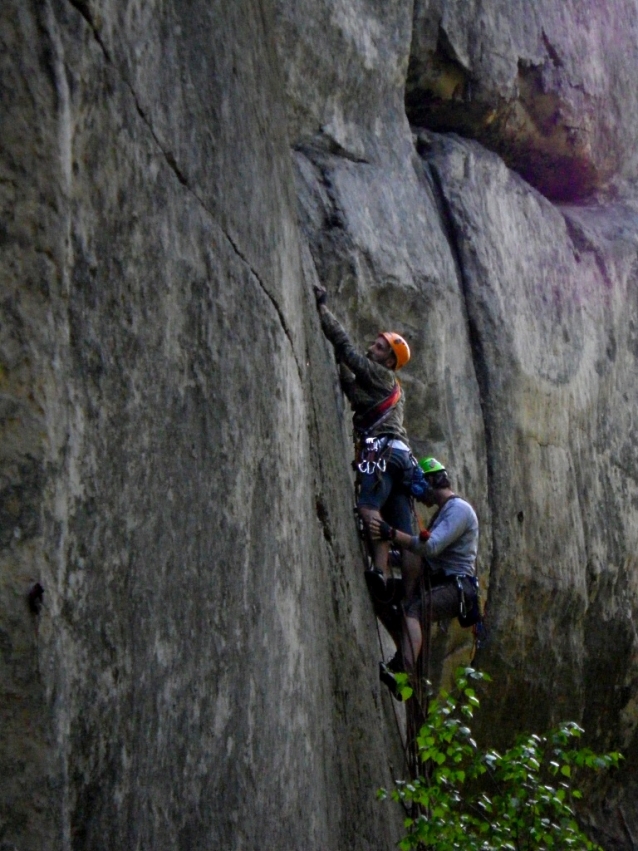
(386, 532)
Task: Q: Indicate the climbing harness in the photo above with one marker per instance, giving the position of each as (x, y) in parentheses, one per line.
(374, 416)
(372, 457)
(374, 453)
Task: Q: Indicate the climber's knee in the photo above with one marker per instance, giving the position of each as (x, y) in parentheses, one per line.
(367, 512)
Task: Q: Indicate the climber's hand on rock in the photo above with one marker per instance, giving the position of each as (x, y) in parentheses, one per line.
(321, 295)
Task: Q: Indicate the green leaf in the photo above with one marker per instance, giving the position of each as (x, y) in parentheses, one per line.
(526, 813)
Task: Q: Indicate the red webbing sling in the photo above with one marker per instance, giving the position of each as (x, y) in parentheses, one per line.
(368, 419)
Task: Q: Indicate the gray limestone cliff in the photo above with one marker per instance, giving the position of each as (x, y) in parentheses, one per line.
(201, 672)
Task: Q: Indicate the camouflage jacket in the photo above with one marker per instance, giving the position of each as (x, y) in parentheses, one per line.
(364, 382)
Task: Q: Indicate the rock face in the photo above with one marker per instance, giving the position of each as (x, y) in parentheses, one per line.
(547, 85)
(558, 365)
(201, 672)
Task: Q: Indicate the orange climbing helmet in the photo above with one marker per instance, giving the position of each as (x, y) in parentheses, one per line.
(399, 347)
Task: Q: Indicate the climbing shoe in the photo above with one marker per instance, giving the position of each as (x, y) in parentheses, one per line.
(395, 665)
(375, 581)
(388, 675)
(395, 590)
(387, 678)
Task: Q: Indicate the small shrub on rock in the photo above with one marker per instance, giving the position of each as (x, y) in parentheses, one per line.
(474, 800)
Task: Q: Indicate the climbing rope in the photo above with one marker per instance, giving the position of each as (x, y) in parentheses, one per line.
(417, 707)
(364, 544)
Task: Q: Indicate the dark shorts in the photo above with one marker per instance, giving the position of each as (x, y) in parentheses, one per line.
(388, 492)
(442, 601)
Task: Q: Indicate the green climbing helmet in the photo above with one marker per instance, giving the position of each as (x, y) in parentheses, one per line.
(431, 465)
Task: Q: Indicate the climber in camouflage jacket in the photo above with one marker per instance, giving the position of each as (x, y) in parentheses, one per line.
(370, 383)
(366, 382)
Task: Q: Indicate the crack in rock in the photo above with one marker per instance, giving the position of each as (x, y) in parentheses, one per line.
(450, 228)
(82, 7)
(273, 301)
(324, 519)
(582, 243)
(324, 144)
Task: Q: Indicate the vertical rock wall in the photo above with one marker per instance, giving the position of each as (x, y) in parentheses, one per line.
(551, 300)
(174, 458)
(201, 674)
(548, 85)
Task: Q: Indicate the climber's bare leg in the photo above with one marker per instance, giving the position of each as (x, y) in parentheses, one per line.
(411, 565)
(380, 549)
(411, 642)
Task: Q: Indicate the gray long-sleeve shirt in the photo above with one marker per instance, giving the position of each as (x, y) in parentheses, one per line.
(453, 543)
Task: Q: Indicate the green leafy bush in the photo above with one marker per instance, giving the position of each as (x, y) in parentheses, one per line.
(521, 800)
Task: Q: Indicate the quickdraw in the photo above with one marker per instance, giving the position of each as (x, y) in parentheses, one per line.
(372, 458)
